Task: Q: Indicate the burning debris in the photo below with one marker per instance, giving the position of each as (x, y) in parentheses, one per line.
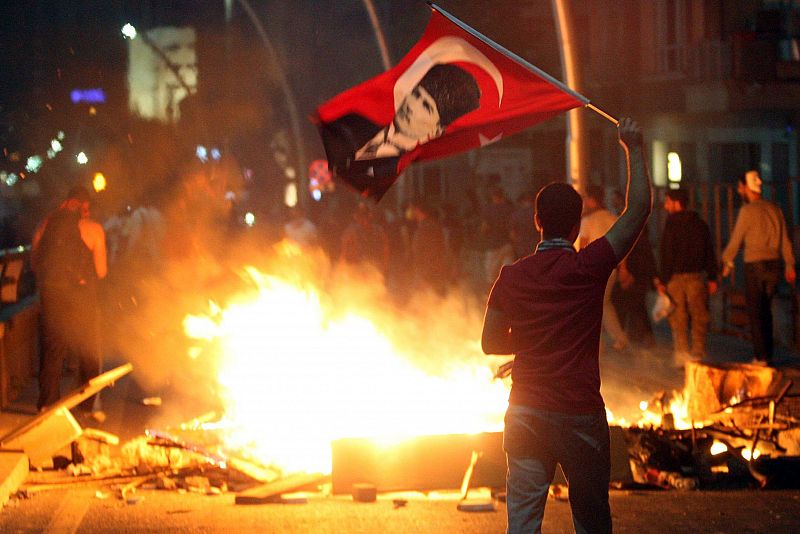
(162, 460)
(740, 428)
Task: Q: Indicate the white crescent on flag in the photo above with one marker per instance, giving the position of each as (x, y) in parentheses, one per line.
(445, 50)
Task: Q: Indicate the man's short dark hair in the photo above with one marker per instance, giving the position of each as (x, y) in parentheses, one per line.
(558, 207)
(78, 192)
(743, 176)
(681, 196)
(455, 91)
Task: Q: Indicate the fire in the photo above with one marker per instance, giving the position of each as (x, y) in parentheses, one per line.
(296, 372)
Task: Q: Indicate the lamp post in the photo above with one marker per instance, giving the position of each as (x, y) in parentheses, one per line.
(576, 140)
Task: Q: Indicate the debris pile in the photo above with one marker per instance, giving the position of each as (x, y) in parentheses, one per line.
(744, 431)
(185, 459)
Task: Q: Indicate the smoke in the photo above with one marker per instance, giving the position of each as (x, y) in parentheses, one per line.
(189, 260)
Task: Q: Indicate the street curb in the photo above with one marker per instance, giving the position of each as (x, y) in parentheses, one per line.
(13, 472)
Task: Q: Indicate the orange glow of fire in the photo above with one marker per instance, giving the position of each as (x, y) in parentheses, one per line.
(295, 373)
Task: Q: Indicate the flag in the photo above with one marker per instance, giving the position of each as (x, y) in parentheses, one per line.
(455, 90)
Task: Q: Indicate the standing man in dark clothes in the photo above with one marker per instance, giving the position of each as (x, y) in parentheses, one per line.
(430, 255)
(497, 232)
(69, 259)
(635, 277)
(365, 241)
(523, 233)
(762, 228)
(547, 310)
(688, 275)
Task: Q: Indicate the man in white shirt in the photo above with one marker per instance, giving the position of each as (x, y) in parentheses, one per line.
(596, 221)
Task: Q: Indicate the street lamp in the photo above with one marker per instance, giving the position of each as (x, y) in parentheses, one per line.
(99, 182)
(129, 31)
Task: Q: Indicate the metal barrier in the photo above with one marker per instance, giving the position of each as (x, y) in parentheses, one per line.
(19, 324)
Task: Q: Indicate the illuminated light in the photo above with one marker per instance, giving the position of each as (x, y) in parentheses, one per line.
(56, 145)
(747, 455)
(90, 96)
(60, 135)
(92, 110)
(316, 194)
(51, 153)
(34, 163)
(718, 448)
(202, 153)
(643, 405)
(230, 196)
(99, 182)
(290, 173)
(215, 154)
(128, 31)
(14, 156)
(82, 158)
(9, 178)
(674, 173)
(290, 195)
(249, 218)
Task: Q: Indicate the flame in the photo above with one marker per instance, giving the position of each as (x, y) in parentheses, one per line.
(296, 373)
(655, 413)
(718, 448)
(749, 455)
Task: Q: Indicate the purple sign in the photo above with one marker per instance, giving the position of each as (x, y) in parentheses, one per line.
(90, 96)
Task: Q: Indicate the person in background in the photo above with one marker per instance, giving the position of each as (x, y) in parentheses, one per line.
(300, 229)
(364, 241)
(547, 310)
(636, 277)
(688, 275)
(523, 233)
(595, 222)
(767, 251)
(430, 255)
(496, 232)
(68, 256)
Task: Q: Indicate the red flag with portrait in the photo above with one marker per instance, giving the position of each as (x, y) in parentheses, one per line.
(452, 92)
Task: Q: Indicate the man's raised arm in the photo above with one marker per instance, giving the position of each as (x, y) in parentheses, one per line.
(639, 198)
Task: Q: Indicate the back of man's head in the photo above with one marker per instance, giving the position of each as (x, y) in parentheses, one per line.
(79, 193)
(455, 91)
(680, 196)
(743, 176)
(558, 208)
(496, 193)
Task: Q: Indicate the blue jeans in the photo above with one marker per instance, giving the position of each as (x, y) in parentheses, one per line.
(535, 440)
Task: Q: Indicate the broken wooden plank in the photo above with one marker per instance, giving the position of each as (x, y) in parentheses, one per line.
(70, 401)
(272, 491)
(44, 439)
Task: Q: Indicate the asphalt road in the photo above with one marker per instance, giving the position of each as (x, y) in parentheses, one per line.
(79, 510)
(637, 374)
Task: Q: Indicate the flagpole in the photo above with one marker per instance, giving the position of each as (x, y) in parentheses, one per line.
(602, 113)
(533, 68)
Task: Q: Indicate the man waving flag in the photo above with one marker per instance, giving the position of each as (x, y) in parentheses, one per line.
(454, 91)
